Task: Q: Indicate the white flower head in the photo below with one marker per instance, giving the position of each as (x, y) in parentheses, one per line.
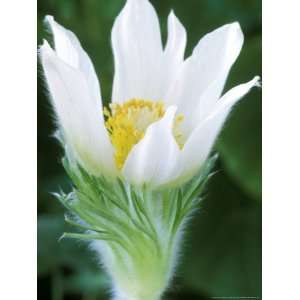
(166, 111)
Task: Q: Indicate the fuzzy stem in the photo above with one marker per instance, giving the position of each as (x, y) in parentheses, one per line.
(135, 230)
(121, 296)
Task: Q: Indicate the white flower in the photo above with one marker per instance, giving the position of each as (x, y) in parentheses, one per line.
(165, 116)
(167, 111)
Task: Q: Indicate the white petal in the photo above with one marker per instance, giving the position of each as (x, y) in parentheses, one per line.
(69, 50)
(154, 158)
(203, 76)
(137, 49)
(173, 54)
(217, 51)
(201, 141)
(80, 121)
(176, 41)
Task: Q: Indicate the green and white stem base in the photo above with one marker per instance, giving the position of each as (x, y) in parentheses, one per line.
(135, 231)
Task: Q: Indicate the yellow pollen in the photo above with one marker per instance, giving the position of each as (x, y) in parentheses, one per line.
(128, 122)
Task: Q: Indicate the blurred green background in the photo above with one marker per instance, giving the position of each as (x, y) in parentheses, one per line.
(222, 251)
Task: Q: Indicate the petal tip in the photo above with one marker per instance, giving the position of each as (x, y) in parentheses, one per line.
(234, 26)
(236, 29)
(170, 115)
(257, 81)
(171, 110)
(171, 14)
(45, 47)
(49, 20)
(236, 35)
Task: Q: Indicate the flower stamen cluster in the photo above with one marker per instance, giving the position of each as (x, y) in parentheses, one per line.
(128, 122)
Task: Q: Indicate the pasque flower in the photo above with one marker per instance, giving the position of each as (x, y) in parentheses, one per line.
(132, 162)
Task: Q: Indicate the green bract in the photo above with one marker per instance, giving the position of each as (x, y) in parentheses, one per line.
(136, 230)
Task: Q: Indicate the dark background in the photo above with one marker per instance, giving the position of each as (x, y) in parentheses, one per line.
(222, 251)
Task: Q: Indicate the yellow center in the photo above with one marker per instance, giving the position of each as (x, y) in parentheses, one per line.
(128, 122)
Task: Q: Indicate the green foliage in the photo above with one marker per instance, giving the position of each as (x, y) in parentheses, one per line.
(240, 142)
(85, 276)
(102, 204)
(139, 228)
(222, 256)
(223, 249)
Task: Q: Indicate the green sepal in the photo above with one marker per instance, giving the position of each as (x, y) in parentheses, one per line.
(139, 228)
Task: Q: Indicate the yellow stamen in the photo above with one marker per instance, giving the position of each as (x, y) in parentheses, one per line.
(128, 122)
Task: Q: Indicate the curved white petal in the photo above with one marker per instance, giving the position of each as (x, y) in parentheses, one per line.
(77, 115)
(201, 141)
(138, 52)
(173, 53)
(154, 158)
(69, 50)
(176, 42)
(203, 75)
